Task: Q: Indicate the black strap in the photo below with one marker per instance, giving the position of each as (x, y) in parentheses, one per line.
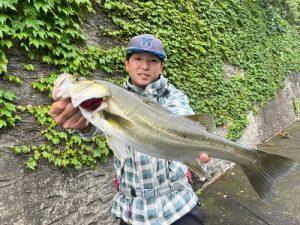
(133, 194)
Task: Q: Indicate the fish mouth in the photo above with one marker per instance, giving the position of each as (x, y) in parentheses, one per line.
(91, 104)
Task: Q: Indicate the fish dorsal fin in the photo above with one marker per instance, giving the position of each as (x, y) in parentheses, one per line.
(117, 121)
(118, 147)
(205, 119)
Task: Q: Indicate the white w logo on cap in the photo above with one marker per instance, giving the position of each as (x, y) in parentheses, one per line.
(146, 42)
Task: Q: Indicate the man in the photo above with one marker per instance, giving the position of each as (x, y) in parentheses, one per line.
(151, 191)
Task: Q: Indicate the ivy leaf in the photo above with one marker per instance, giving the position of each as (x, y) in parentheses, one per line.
(46, 59)
(23, 45)
(86, 3)
(65, 162)
(15, 79)
(5, 112)
(36, 155)
(9, 95)
(39, 43)
(32, 23)
(50, 157)
(25, 149)
(58, 162)
(29, 67)
(16, 149)
(3, 18)
(6, 43)
(75, 162)
(77, 139)
(63, 135)
(17, 118)
(97, 153)
(45, 6)
(31, 163)
(56, 152)
(2, 123)
(8, 4)
(55, 140)
(30, 11)
(3, 67)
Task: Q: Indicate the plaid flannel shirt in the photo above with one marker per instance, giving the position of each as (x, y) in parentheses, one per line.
(141, 171)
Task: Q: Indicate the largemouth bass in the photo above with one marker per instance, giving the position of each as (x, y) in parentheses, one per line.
(127, 119)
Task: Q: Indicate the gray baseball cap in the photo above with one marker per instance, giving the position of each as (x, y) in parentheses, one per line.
(146, 43)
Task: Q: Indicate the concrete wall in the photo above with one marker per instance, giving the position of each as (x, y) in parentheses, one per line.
(275, 115)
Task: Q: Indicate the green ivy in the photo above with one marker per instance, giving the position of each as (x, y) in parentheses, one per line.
(8, 118)
(13, 79)
(45, 84)
(200, 37)
(50, 29)
(63, 148)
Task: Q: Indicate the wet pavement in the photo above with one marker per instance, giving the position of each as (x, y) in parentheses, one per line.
(230, 200)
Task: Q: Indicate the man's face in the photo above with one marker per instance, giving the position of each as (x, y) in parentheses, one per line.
(143, 68)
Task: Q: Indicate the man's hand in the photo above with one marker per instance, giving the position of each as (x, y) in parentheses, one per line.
(66, 116)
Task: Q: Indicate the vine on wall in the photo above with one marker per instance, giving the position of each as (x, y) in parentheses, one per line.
(8, 116)
(200, 38)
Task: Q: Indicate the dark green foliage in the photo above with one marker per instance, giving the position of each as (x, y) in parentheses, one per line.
(7, 109)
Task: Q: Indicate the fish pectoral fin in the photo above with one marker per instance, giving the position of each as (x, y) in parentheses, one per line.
(197, 168)
(118, 147)
(117, 121)
(206, 119)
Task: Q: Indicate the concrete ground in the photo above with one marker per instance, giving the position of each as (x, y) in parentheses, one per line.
(230, 200)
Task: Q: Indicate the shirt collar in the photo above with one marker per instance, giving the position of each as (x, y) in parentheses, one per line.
(153, 90)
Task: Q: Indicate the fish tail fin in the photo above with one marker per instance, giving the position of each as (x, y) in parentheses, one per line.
(264, 173)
